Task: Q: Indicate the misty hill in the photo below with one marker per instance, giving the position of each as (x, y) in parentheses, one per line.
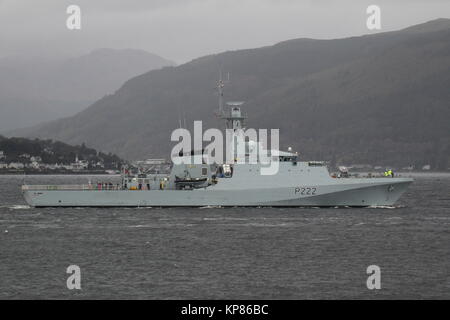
(380, 99)
(33, 90)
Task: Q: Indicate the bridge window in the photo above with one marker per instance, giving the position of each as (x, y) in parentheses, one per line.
(287, 159)
(316, 163)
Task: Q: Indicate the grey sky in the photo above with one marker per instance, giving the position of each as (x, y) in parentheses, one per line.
(185, 29)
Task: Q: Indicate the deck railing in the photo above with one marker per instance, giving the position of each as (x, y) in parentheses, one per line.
(80, 187)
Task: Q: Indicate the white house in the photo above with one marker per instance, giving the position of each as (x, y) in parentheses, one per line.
(35, 165)
(79, 164)
(16, 165)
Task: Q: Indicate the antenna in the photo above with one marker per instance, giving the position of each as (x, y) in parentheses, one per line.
(184, 119)
(179, 118)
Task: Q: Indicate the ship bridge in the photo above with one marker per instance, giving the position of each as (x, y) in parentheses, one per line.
(235, 119)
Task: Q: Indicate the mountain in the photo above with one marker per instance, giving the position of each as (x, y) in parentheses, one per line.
(33, 90)
(381, 99)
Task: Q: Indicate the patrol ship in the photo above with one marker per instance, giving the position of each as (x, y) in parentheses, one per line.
(297, 183)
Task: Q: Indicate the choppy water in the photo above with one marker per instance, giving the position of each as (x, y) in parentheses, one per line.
(229, 253)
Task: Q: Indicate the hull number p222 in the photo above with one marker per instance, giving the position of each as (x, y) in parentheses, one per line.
(305, 191)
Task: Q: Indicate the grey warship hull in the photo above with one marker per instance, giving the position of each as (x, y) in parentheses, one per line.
(338, 193)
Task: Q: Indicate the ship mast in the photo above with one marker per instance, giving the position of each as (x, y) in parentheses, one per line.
(220, 86)
(234, 119)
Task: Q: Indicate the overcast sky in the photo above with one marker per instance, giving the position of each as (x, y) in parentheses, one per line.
(185, 29)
